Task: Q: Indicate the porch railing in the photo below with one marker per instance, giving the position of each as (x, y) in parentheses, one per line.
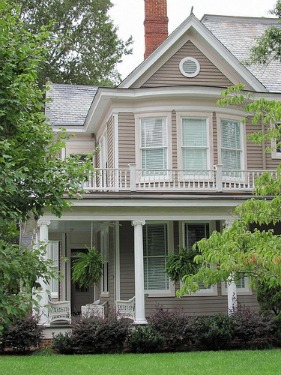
(172, 180)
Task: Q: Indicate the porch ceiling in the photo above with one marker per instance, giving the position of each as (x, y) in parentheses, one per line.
(76, 226)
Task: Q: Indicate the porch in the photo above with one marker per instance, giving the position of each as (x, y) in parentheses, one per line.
(134, 243)
(132, 179)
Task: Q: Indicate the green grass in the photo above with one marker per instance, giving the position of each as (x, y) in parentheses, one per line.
(257, 362)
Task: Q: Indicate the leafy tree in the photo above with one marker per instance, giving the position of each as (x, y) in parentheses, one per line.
(32, 177)
(246, 248)
(84, 47)
(268, 45)
(269, 299)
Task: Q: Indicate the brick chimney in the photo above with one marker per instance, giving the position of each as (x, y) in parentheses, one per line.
(155, 24)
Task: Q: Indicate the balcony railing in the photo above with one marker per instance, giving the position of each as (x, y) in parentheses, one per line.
(172, 180)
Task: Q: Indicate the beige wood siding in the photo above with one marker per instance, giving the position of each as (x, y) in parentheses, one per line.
(82, 144)
(97, 158)
(127, 269)
(254, 151)
(111, 266)
(110, 143)
(195, 306)
(126, 136)
(169, 74)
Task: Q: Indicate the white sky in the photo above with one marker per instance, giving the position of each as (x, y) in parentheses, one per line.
(128, 16)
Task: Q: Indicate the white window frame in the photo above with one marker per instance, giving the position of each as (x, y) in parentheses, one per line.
(167, 116)
(241, 291)
(213, 289)
(202, 116)
(171, 291)
(243, 159)
(54, 246)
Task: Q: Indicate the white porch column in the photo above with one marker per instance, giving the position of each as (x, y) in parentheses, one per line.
(139, 274)
(231, 286)
(43, 238)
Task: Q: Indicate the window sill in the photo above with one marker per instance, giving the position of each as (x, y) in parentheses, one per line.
(104, 294)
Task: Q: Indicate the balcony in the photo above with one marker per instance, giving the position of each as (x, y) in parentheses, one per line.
(139, 180)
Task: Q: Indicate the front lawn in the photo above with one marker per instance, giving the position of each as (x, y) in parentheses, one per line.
(265, 362)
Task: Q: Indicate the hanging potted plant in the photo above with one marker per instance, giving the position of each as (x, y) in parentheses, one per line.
(87, 267)
(181, 264)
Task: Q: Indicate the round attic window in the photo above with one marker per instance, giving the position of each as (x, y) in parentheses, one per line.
(189, 67)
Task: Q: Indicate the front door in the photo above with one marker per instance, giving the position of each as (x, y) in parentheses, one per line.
(80, 295)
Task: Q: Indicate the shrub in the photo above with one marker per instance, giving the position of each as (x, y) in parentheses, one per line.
(22, 335)
(63, 344)
(249, 326)
(97, 335)
(213, 332)
(269, 299)
(174, 326)
(276, 321)
(145, 340)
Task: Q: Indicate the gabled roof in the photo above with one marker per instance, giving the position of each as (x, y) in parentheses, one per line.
(69, 104)
(213, 45)
(239, 35)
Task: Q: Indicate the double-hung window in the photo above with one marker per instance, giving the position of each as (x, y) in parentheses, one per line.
(155, 245)
(154, 146)
(231, 147)
(195, 145)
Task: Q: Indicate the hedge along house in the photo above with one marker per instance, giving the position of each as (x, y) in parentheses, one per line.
(172, 165)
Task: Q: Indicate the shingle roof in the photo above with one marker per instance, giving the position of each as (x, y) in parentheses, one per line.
(239, 34)
(69, 104)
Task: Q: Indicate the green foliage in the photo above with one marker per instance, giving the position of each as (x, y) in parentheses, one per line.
(32, 178)
(268, 45)
(214, 332)
(22, 335)
(20, 269)
(94, 335)
(249, 326)
(168, 331)
(87, 267)
(62, 343)
(269, 299)
(144, 339)
(181, 263)
(175, 328)
(84, 47)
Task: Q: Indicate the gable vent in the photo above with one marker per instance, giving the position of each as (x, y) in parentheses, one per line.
(189, 67)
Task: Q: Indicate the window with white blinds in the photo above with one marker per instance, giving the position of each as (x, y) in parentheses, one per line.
(155, 245)
(231, 147)
(153, 144)
(195, 144)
